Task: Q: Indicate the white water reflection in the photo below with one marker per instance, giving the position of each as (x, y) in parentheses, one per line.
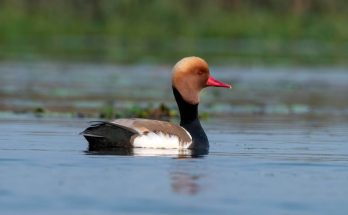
(151, 152)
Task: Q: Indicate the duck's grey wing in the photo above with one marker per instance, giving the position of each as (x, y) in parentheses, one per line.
(146, 126)
(103, 135)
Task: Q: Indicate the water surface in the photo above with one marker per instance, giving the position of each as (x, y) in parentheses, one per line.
(278, 143)
(256, 165)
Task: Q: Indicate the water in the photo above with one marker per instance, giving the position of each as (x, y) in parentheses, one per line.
(256, 165)
(278, 143)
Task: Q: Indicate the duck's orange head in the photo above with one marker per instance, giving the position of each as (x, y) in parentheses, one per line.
(190, 76)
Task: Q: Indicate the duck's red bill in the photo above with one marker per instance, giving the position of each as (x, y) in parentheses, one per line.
(212, 82)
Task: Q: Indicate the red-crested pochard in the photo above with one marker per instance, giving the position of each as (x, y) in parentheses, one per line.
(190, 75)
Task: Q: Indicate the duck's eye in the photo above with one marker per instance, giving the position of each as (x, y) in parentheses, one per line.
(199, 72)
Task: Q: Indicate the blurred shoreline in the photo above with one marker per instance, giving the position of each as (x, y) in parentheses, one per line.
(108, 90)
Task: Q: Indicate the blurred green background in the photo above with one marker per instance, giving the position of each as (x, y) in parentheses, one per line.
(150, 31)
(101, 57)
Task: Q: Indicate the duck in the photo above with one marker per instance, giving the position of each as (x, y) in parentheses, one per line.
(190, 76)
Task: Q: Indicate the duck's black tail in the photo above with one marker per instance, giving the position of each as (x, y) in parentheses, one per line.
(105, 135)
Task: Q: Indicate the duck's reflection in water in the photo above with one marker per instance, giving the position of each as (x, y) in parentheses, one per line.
(185, 179)
(176, 153)
(185, 183)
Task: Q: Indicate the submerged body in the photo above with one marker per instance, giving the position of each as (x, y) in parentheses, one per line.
(190, 76)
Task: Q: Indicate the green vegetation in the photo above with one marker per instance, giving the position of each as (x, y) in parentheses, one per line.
(129, 31)
(161, 112)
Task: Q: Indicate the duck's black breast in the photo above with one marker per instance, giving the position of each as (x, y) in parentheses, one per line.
(199, 138)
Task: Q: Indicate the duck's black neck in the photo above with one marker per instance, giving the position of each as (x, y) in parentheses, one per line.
(190, 121)
(188, 112)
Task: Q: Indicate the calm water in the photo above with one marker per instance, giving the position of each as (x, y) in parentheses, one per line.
(256, 165)
(279, 143)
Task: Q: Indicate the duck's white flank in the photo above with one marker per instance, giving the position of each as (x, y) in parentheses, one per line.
(161, 152)
(159, 140)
